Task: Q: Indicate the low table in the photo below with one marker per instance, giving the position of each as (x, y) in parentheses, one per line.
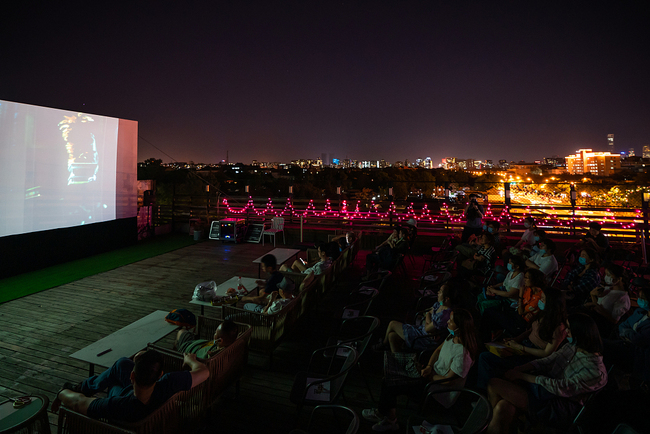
(281, 255)
(126, 341)
(29, 418)
(247, 282)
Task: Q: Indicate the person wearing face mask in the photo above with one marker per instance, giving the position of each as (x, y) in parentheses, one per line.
(527, 238)
(547, 331)
(553, 389)
(451, 361)
(594, 239)
(631, 351)
(610, 302)
(584, 277)
(539, 235)
(506, 292)
(544, 260)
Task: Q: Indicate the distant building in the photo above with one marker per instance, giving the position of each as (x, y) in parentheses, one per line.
(631, 153)
(555, 161)
(646, 151)
(585, 161)
(610, 143)
(503, 164)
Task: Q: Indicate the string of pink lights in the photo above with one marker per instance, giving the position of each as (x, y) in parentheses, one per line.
(423, 215)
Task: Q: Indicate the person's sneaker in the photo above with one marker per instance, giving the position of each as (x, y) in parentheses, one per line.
(71, 386)
(386, 425)
(372, 414)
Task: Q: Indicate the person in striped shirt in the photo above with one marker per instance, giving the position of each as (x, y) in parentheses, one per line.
(554, 388)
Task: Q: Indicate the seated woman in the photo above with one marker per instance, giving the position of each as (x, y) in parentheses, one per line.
(584, 277)
(514, 321)
(539, 235)
(544, 260)
(546, 333)
(559, 381)
(527, 238)
(317, 267)
(507, 291)
(387, 252)
(421, 337)
(451, 361)
(484, 257)
(631, 351)
(610, 302)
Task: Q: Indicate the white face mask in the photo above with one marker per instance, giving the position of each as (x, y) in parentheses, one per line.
(526, 225)
(609, 280)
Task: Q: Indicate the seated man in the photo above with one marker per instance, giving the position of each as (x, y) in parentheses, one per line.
(224, 336)
(544, 260)
(135, 388)
(266, 287)
(318, 266)
(594, 238)
(274, 304)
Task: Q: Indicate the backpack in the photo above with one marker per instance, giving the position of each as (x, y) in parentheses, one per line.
(181, 317)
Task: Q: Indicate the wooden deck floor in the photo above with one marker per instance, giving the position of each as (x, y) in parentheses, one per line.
(40, 331)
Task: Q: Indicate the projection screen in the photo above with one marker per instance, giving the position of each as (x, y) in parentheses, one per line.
(60, 169)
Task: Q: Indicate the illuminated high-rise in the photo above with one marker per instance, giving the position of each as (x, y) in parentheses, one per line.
(646, 151)
(610, 143)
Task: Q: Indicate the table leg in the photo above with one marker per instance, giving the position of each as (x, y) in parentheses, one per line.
(202, 308)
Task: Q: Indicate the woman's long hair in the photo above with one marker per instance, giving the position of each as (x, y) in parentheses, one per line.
(585, 333)
(465, 330)
(553, 315)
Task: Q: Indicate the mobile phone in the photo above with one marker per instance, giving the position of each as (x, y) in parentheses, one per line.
(303, 261)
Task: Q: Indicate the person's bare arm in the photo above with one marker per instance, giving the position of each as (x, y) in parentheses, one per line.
(198, 370)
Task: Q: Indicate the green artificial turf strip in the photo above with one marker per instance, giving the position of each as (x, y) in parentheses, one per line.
(46, 278)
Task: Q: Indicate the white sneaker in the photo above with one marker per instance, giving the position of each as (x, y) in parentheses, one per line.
(386, 425)
(372, 414)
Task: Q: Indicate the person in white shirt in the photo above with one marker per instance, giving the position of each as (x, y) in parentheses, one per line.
(276, 300)
(544, 260)
(609, 302)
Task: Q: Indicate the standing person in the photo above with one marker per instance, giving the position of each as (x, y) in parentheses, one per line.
(135, 388)
(473, 218)
(451, 361)
(561, 381)
(266, 287)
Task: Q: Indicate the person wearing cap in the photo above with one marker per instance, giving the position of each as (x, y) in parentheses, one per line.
(276, 300)
(280, 298)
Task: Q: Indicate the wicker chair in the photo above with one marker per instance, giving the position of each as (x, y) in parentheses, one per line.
(71, 422)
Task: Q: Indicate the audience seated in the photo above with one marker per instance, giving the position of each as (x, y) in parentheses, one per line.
(317, 267)
(423, 336)
(385, 255)
(594, 239)
(631, 350)
(515, 321)
(451, 361)
(583, 277)
(552, 389)
(547, 331)
(135, 388)
(506, 292)
(544, 260)
(483, 259)
(224, 336)
(527, 238)
(266, 287)
(539, 235)
(275, 301)
(610, 302)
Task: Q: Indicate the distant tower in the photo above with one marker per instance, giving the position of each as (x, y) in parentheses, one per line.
(646, 151)
(610, 143)
(631, 153)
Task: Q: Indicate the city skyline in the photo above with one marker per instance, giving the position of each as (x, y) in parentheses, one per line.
(363, 80)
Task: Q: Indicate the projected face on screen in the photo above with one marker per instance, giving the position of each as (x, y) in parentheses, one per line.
(59, 168)
(82, 148)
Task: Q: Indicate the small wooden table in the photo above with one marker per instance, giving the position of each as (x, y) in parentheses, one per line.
(31, 417)
(247, 282)
(281, 255)
(126, 341)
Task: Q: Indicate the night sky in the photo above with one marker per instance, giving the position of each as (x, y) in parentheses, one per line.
(276, 81)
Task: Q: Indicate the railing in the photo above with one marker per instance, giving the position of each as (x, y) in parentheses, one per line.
(433, 216)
